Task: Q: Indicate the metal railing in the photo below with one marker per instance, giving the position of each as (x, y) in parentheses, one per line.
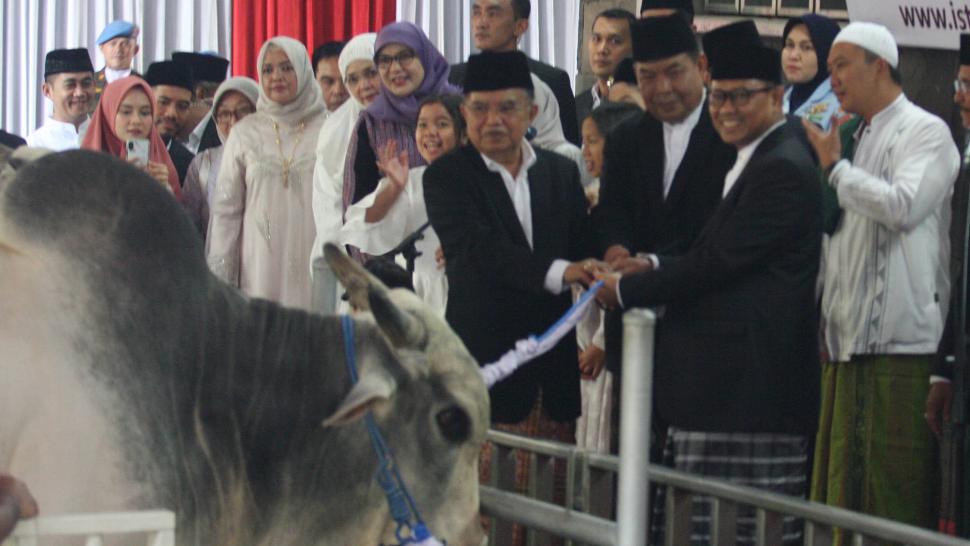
(158, 526)
(586, 516)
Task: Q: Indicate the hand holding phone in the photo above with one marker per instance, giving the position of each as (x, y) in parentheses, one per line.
(137, 151)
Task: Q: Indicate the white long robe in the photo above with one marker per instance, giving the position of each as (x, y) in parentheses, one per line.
(407, 214)
(261, 231)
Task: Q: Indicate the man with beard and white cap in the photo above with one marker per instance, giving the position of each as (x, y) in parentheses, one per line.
(886, 286)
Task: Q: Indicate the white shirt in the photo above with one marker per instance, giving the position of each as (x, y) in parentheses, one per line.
(744, 155)
(595, 92)
(676, 139)
(518, 188)
(57, 135)
(887, 266)
(195, 137)
(111, 74)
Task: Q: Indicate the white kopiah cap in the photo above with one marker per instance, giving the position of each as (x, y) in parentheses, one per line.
(873, 37)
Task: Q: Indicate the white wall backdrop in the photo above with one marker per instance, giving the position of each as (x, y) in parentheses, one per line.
(31, 28)
(553, 35)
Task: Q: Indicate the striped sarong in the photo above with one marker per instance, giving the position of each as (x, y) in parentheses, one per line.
(775, 462)
(874, 452)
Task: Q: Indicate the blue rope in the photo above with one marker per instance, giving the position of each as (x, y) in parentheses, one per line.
(400, 503)
(590, 293)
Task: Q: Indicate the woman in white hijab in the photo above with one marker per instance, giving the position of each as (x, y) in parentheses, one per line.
(549, 135)
(261, 226)
(356, 63)
(234, 99)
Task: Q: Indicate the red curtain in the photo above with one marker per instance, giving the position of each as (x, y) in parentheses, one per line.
(313, 22)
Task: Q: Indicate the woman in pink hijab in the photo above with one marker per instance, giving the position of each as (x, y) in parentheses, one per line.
(126, 113)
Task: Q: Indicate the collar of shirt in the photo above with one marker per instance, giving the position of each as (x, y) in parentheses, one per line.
(744, 155)
(887, 113)
(676, 139)
(65, 127)
(518, 186)
(195, 137)
(595, 92)
(111, 74)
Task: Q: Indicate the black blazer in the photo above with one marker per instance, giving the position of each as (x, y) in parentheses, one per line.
(181, 158)
(210, 137)
(632, 210)
(557, 80)
(584, 105)
(495, 281)
(737, 348)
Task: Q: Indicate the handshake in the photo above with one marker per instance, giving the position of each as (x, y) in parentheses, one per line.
(616, 263)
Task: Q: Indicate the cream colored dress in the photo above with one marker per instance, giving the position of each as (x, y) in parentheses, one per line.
(261, 227)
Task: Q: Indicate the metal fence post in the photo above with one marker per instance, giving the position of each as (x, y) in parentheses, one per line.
(323, 294)
(636, 398)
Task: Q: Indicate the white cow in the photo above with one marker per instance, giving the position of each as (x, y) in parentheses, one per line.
(131, 378)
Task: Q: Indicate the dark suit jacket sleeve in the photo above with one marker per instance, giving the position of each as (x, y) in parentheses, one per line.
(461, 217)
(958, 291)
(567, 108)
(584, 105)
(774, 205)
(614, 216)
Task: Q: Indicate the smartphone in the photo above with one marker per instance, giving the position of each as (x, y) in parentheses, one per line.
(138, 151)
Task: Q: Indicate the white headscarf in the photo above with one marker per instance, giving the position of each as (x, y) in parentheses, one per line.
(309, 98)
(359, 48)
(328, 175)
(240, 84)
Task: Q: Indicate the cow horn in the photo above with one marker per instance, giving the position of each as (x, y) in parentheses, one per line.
(354, 278)
(401, 327)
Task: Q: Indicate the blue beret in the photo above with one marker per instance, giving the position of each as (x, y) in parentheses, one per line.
(116, 29)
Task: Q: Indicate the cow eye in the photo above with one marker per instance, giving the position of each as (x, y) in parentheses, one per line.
(454, 424)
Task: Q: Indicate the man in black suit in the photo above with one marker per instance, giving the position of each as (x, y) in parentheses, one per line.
(172, 84)
(207, 72)
(512, 223)
(662, 172)
(737, 362)
(609, 43)
(497, 26)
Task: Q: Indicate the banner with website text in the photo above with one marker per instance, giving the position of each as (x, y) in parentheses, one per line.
(920, 23)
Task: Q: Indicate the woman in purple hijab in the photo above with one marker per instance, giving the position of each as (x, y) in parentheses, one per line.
(411, 68)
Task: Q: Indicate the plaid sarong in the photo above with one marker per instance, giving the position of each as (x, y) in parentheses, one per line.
(775, 462)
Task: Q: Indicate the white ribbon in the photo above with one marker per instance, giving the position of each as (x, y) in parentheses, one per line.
(532, 347)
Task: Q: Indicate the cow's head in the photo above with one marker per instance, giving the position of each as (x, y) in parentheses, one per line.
(430, 402)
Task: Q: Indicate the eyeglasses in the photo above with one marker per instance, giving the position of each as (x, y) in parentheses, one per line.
(403, 58)
(504, 109)
(225, 116)
(961, 86)
(738, 97)
(368, 73)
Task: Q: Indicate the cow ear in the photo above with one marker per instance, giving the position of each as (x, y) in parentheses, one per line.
(372, 388)
(402, 328)
(354, 278)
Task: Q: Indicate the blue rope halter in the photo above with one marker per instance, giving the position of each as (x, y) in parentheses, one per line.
(410, 527)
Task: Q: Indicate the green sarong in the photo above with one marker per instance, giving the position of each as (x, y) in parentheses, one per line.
(874, 452)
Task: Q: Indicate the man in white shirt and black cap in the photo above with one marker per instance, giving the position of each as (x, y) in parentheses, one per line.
(737, 364)
(207, 71)
(69, 85)
(886, 290)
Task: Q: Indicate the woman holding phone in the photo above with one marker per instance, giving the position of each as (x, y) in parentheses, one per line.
(123, 126)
